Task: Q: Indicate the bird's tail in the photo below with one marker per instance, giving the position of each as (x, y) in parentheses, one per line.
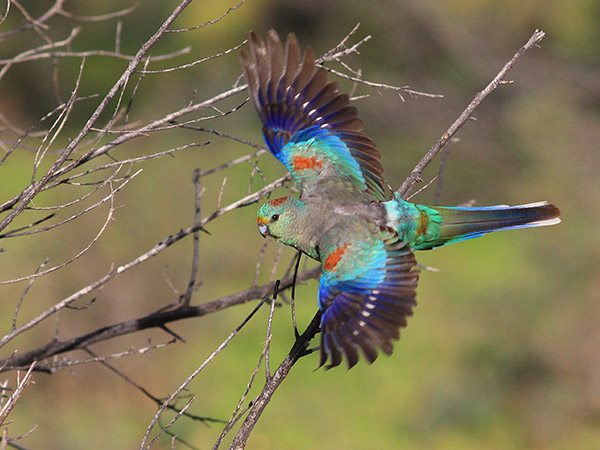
(436, 226)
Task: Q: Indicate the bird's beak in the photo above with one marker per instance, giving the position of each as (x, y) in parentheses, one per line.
(263, 229)
(262, 226)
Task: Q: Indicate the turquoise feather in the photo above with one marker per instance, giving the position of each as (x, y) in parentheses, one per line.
(427, 227)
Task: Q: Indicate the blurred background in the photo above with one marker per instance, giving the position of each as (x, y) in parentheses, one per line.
(504, 347)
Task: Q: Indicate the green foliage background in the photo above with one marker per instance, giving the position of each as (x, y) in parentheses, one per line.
(503, 351)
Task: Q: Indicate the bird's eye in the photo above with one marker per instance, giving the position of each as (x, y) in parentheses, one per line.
(275, 217)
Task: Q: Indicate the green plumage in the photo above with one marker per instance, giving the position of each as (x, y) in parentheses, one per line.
(427, 227)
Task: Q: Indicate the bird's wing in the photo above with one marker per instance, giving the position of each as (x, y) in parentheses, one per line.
(307, 123)
(367, 291)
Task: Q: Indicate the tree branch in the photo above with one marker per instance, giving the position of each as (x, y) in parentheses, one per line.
(30, 192)
(260, 403)
(415, 175)
(155, 319)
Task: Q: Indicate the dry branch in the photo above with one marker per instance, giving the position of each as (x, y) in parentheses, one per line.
(415, 175)
(260, 403)
(156, 319)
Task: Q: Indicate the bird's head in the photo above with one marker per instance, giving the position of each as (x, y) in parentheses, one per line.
(277, 218)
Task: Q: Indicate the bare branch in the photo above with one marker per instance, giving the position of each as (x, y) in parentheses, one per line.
(98, 18)
(170, 240)
(415, 175)
(9, 405)
(397, 89)
(210, 22)
(5, 13)
(260, 403)
(52, 11)
(66, 54)
(236, 415)
(25, 291)
(145, 444)
(156, 319)
(34, 188)
(341, 50)
(145, 392)
(110, 198)
(19, 58)
(192, 284)
(195, 63)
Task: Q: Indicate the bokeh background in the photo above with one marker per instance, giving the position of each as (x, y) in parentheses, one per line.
(504, 347)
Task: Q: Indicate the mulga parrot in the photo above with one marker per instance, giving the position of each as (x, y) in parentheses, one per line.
(343, 219)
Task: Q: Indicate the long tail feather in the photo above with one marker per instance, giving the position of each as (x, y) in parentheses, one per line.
(426, 227)
(459, 224)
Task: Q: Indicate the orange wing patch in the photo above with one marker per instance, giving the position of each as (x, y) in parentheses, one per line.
(301, 162)
(278, 201)
(334, 258)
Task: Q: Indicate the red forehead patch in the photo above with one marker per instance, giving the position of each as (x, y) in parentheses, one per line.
(301, 162)
(334, 257)
(278, 201)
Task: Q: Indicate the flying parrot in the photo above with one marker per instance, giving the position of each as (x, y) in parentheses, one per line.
(343, 219)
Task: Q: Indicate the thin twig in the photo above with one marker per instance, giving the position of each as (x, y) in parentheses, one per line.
(194, 63)
(111, 179)
(87, 54)
(259, 404)
(210, 22)
(415, 175)
(237, 415)
(397, 89)
(145, 391)
(110, 199)
(25, 291)
(98, 18)
(145, 445)
(192, 284)
(17, 393)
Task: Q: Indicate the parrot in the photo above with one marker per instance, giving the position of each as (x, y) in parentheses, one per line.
(364, 239)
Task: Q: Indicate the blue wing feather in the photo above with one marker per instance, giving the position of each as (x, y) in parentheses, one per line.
(297, 104)
(365, 304)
